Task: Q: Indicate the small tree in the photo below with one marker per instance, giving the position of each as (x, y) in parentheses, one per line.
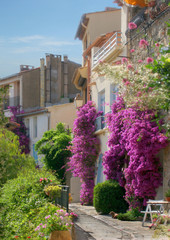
(12, 160)
(53, 146)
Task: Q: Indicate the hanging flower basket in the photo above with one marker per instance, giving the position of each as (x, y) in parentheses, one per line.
(60, 235)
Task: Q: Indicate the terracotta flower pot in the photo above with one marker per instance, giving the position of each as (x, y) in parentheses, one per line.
(168, 199)
(60, 235)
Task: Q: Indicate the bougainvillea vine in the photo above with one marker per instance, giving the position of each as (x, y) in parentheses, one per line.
(135, 140)
(21, 130)
(85, 149)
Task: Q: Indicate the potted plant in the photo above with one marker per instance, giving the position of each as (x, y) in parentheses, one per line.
(57, 226)
(53, 191)
(167, 195)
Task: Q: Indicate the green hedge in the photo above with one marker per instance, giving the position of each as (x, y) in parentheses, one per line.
(108, 196)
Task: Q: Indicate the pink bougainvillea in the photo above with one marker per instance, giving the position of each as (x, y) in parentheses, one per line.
(143, 43)
(21, 130)
(135, 140)
(85, 149)
(132, 25)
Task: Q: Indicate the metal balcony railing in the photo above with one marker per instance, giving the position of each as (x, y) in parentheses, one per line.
(114, 41)
(14, 101)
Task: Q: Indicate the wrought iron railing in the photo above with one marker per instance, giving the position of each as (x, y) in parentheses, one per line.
(100, 122)
(14, 101)
(63, 200)
(114, 40)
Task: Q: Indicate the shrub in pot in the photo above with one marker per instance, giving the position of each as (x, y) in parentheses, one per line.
(53, 191)
(109, 196)
(167, 195)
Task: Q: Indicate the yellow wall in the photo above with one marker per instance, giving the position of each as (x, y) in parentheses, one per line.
(65, 113)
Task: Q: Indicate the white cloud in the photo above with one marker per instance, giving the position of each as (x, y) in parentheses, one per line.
(27, 39)
(25, 50)
(59, 43)
(42, 41)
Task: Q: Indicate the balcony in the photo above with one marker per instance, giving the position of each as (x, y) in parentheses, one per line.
(109, 51)
(13, 101)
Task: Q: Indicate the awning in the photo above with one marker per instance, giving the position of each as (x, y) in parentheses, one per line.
(134, 3)
(80, 73)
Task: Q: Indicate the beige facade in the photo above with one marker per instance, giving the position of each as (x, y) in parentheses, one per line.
(65, 113)
(99, 23)
(95, 30)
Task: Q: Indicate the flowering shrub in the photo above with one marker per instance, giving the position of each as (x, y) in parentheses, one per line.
(24, 204)
(59, 221)
(137, 84)
(21, 130)
(136, 123)
(45, 181)
(135, 140)
(85, 149)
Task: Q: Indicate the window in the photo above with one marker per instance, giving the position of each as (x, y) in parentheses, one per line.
(100, 121)
(34, 127)
(101, 102)
(113, 95)
(100, 169)
(27, 125)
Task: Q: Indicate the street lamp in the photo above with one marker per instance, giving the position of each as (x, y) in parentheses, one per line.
(78, 101)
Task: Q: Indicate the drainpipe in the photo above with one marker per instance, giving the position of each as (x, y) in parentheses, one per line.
(88, 78)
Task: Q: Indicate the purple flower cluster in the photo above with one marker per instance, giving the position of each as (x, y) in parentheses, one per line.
(85, 149)
(134, 142)
(21, 130)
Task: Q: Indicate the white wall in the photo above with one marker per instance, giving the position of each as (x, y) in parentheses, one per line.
(42, 126)
(102, 85)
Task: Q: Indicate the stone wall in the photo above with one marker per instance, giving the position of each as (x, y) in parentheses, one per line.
(153, 31)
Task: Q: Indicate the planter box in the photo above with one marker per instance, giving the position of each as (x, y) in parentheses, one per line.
(60, 235)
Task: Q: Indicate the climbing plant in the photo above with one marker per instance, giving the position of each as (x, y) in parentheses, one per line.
(21, 130)
(134, 142)
(137, 123)
(85, 149)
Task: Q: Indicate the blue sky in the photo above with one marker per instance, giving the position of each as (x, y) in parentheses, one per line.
(31, 28)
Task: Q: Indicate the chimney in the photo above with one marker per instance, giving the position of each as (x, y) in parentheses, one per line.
(26, 68)
(65, 76)
(42, 83)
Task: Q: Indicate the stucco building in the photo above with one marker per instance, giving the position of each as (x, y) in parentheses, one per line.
(110, 45)
(45, 94)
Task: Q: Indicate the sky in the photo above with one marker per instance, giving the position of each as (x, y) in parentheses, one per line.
(31, 28)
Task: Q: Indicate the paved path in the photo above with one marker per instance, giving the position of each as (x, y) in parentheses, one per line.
(103, 227)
